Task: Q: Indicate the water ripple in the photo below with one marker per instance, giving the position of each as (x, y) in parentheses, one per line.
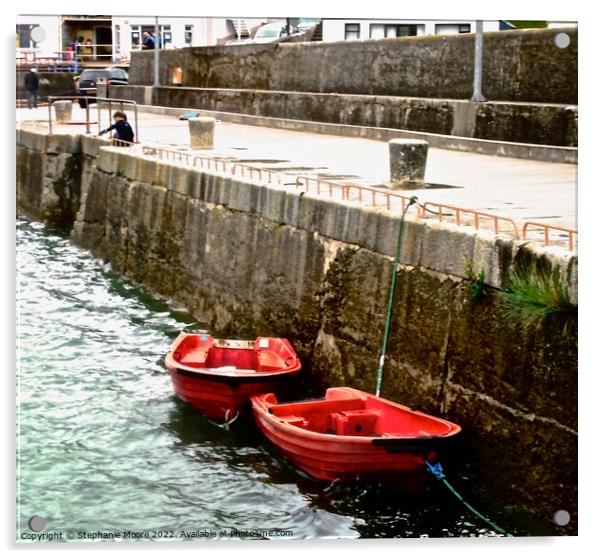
(104, 445)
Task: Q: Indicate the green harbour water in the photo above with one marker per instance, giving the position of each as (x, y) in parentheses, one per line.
(104, 447)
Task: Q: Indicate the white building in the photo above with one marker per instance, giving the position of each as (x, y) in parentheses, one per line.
(179, 32)
(364, 29)
(556, 24)
(111, 39)
(49, 46)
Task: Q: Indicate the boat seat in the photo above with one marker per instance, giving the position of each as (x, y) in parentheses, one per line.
(354, 423)
(324, 406)
(195, 357)
(269, 361)
(294, 421)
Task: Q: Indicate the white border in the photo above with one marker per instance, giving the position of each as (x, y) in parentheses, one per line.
(590, 186)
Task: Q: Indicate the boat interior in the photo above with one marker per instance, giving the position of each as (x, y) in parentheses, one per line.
(358, 416)
(198, 351)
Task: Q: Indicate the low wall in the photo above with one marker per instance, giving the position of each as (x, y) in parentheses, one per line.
(521, 65)
(51, 171)
(251, 259)
(510, 122)
(51, 83)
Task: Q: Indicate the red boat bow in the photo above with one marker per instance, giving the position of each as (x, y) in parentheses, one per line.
(218, 376)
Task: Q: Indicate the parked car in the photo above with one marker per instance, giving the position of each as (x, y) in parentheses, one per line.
(305, 23)
(85, 84)
(270, 32)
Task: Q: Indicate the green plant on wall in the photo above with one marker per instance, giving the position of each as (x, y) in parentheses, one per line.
(475, 285)
(529, 297)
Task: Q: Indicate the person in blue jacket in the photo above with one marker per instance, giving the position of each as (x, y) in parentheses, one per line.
(148, 41)
(124, 135)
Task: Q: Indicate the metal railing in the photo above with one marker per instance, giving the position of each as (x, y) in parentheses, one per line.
(354, 192)
(99, 101)
(478, 219)
(477, 216)
(273, 177)
(85, 51)
(375, 197)
(348, 191)
(570, 234)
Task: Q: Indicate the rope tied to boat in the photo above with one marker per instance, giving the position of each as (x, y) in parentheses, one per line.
(226, 424)
(383, 354)
(437, 471)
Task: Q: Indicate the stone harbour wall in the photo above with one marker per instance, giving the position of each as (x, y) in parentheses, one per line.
(252, 259)
(520, 65)
(51, 83)
(533, 123)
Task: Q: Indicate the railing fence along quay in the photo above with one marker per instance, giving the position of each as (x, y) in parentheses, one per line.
(373, 196)
(376, 197)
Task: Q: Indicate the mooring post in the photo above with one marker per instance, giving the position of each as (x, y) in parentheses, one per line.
(62, 110)
(50, 101)
(202, 132)
(407, 161)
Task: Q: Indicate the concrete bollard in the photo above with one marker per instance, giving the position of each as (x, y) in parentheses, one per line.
(62, 110)
(202, 130)
(102, 88)
(407, 160)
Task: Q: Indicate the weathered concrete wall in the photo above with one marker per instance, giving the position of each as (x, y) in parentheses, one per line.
(51, 83)
(525, 123)
(255, 260)
(522, 65)
(50, 173)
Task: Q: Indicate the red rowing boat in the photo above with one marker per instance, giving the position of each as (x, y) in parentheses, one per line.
(351, 435)
(218, 376)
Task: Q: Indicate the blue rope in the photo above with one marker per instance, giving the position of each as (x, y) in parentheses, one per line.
(437, 471)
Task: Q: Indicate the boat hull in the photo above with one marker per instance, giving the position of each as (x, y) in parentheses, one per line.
(219, 399)
(349, 458)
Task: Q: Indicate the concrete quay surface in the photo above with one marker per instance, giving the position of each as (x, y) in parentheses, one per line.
(517, 188)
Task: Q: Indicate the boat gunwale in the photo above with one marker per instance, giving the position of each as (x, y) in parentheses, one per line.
(263, 414)
(229, 377)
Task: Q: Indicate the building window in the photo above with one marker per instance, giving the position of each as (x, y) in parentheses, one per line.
(450, 29)
(24, 33)
(352, 31)
(188, 30)
(136, 37)
(165, 31)
(117, 39)
(387, 30)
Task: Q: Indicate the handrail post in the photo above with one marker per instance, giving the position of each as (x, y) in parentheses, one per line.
(87, 116)
(156, 53)
(50, 101)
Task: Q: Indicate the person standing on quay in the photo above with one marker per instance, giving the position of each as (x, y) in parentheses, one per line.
(32, 83)
(148, 41)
